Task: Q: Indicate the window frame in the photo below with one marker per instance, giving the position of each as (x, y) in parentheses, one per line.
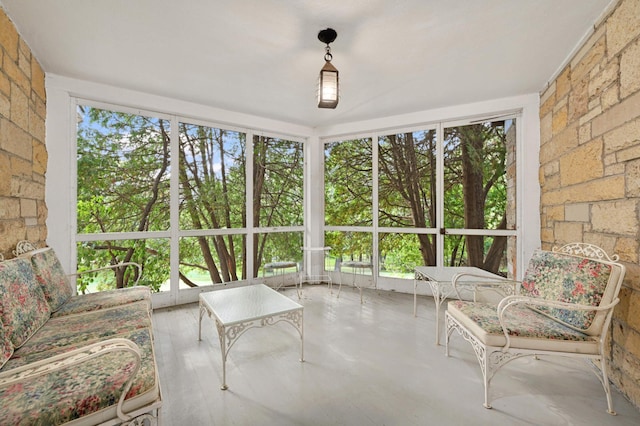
(439, 126)
(176, 295)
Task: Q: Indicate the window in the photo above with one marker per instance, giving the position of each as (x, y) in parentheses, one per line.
(407, 199)
(123, 163)
(278, 180)
(212, 198)
(479, 194)
(152, 189)
(441, 195)
(348, 201)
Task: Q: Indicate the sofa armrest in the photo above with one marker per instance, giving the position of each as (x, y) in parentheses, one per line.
(75, 358)
(511, 301)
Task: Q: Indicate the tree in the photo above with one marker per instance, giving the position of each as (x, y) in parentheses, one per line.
(475, 161)
(277, 196)
(212, 164)
(123, 164)
(407, 181)
(124, 169)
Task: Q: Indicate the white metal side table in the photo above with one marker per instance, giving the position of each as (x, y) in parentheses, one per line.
(440, 279)
(316, 278)
(279, 269)
(356, 266)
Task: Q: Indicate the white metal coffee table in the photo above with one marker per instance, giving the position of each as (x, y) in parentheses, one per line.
(239, 309)
(440, 279)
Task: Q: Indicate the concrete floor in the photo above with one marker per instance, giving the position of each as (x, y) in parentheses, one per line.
(365, 364)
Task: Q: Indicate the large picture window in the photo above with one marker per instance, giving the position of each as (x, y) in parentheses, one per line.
(134, 170)
(201, 205)
(443, 195)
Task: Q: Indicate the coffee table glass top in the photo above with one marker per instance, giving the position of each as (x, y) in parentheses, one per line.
(258, 301)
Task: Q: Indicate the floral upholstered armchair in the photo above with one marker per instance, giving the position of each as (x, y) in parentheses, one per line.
(564, 308)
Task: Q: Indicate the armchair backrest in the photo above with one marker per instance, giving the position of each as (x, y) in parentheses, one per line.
(569, 278)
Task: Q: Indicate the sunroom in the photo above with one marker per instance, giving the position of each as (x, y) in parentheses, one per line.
(189, 140)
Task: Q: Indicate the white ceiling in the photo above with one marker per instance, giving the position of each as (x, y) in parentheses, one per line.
(263, 57)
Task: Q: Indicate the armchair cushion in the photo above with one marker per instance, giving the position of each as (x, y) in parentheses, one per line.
(23, 308)
(49, 273)
(528, 329)
(565, 278)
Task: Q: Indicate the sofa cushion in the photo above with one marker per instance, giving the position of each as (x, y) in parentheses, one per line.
(49, 273)
(6, 347)
(23, 308)
(565, 278)
(89, 390)
(72, 331)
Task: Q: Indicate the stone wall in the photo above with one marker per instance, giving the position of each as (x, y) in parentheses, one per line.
(23, 155)
(590, 167)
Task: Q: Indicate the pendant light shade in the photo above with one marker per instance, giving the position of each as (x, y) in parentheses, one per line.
(328, 80)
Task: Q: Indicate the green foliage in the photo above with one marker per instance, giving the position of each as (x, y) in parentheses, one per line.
(348, 183)
(474, 184)
(124, 166)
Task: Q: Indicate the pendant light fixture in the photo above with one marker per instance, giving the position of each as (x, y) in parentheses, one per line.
(328, 79)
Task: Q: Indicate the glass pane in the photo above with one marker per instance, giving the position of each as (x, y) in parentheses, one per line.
(407, 179)
(479, 175)
(277, 247)
(496, 253)
(350, 247)
(348, 183)
(123, 172)
(212, 260)
(401, 253)
(212, 178)
(151, 254)
(479, 190)
(278, 182)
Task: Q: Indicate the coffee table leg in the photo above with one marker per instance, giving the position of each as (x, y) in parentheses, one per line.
(222, 335)
(438, 298)
(202, 311)
(415, 296)
(301, 336)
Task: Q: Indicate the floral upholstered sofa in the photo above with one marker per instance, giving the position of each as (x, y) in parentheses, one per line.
(73, 359)
(565, 305)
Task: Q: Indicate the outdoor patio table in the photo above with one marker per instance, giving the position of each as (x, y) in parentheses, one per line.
(440, 280)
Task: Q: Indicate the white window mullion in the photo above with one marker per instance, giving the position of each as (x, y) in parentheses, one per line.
(249, 203)
(439, 194)
(73, 184)
(374, 170)
(174, 212)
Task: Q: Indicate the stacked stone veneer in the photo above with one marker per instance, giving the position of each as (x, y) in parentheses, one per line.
(23, 156)
(590, 167)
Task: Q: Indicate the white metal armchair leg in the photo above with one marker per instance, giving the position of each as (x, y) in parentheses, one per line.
(479, 349)
(491, 359)
(607, 388)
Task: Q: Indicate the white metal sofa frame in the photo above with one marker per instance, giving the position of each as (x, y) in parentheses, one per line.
(510, 346)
